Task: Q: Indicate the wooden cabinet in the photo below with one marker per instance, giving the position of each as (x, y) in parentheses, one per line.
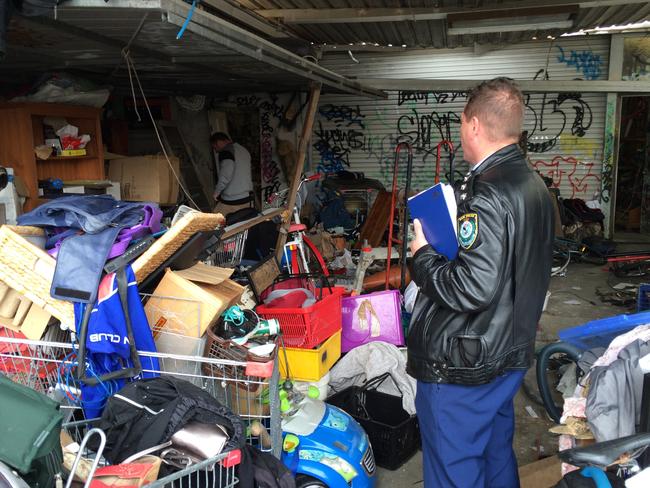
(22, 129)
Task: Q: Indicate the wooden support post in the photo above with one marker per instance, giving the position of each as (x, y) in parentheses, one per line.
(314, 95)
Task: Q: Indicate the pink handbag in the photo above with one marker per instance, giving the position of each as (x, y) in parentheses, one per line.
(371, 317)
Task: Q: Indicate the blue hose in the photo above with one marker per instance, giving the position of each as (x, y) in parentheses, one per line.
(598, 475)
(187, 20)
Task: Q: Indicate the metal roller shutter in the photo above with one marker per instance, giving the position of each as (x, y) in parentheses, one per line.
(565, 130)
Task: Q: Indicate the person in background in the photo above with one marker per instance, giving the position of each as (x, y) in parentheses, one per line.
(473, 326)
(234, 189)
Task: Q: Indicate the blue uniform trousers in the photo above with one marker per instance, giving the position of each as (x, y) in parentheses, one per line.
(467, 433)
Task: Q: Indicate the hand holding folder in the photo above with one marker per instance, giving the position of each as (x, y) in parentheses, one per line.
(435, 208)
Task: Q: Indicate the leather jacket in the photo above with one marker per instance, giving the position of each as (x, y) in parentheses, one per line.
(477, 315)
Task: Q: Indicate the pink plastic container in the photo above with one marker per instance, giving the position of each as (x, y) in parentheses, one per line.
(371, 317)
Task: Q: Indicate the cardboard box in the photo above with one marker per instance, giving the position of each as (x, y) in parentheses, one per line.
(545, 473)
(188, 302)
(146, 178)
(19, 314)
(248, 401)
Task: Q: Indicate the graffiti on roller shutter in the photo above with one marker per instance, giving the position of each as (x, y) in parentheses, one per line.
(550, 115)
(347, 134)
(343, 115)
(271, 112)
(334, 144)
(585, 62)
(578, 174)
(423, 127)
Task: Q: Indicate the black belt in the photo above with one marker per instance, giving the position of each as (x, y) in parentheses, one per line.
(240, 201)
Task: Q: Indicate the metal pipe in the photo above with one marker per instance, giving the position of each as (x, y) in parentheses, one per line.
(393, 200)
(450, 145)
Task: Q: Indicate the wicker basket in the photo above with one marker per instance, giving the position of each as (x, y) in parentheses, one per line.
(219, 348)
(29, 270)
(172, 240)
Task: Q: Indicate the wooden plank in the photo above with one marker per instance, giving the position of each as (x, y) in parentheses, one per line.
(268, 214)
(314, 96)
(376, 223)
(247, 17)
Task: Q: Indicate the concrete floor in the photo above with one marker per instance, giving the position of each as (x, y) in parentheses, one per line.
(573, 301)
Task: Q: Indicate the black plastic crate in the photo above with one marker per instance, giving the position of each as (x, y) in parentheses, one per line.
(393, 433)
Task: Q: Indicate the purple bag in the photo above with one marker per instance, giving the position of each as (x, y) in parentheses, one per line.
(150, 225)
(371, 317)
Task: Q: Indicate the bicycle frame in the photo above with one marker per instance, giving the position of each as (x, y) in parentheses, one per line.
(299, 239)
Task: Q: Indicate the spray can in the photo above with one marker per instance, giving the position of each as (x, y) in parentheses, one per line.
(266, 327)
(263, 327)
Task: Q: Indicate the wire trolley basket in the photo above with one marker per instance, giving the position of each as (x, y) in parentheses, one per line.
(41, 365)
(229, 251)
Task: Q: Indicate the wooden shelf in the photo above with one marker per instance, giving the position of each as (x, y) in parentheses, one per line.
(22, 129)
(64, 158)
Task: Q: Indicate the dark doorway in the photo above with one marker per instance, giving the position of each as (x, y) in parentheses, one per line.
(632, 214)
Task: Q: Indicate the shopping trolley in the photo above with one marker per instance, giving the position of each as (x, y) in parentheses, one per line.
(40, 365)
(229, 251)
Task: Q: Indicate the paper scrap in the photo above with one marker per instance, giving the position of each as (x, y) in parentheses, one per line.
(531, 412)
(620, 286)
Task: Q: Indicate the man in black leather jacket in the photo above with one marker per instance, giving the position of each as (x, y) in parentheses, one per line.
(473, 325)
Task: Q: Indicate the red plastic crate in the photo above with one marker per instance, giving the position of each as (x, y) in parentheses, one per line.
(308, 327)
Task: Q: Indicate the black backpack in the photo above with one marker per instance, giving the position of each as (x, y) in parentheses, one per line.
(263, 470)
(148, 412)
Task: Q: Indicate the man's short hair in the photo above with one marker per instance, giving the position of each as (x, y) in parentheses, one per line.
(219, 136)
(499, 105)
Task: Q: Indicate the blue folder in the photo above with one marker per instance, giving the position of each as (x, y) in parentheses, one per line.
(430, 208)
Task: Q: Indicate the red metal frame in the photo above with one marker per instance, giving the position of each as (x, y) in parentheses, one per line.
(393, 200)
(450, 145)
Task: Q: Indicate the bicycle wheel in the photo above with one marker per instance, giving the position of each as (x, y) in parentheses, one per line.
(552, 362)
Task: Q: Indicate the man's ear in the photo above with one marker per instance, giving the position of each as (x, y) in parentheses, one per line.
(475, 125)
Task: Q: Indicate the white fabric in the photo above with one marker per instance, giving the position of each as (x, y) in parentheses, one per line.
(410, 294)
(641, 333)
(369, 361)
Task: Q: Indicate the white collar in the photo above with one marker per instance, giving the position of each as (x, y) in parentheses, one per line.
(475, 167)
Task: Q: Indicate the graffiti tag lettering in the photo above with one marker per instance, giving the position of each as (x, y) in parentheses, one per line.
(340, 114)
(585, 62)
(426, 96)
(560, 167)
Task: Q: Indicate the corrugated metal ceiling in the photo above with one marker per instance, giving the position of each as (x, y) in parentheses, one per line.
(213, 57)
(88, 40)
(433, 33)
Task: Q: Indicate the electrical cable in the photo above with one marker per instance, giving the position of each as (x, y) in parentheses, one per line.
(187, 20)
(131, 66)
(135, 101)
(66, 378)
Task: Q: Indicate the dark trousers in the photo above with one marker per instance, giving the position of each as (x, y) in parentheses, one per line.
(467, 433)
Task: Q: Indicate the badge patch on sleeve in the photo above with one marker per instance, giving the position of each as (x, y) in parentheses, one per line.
(467, 230)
